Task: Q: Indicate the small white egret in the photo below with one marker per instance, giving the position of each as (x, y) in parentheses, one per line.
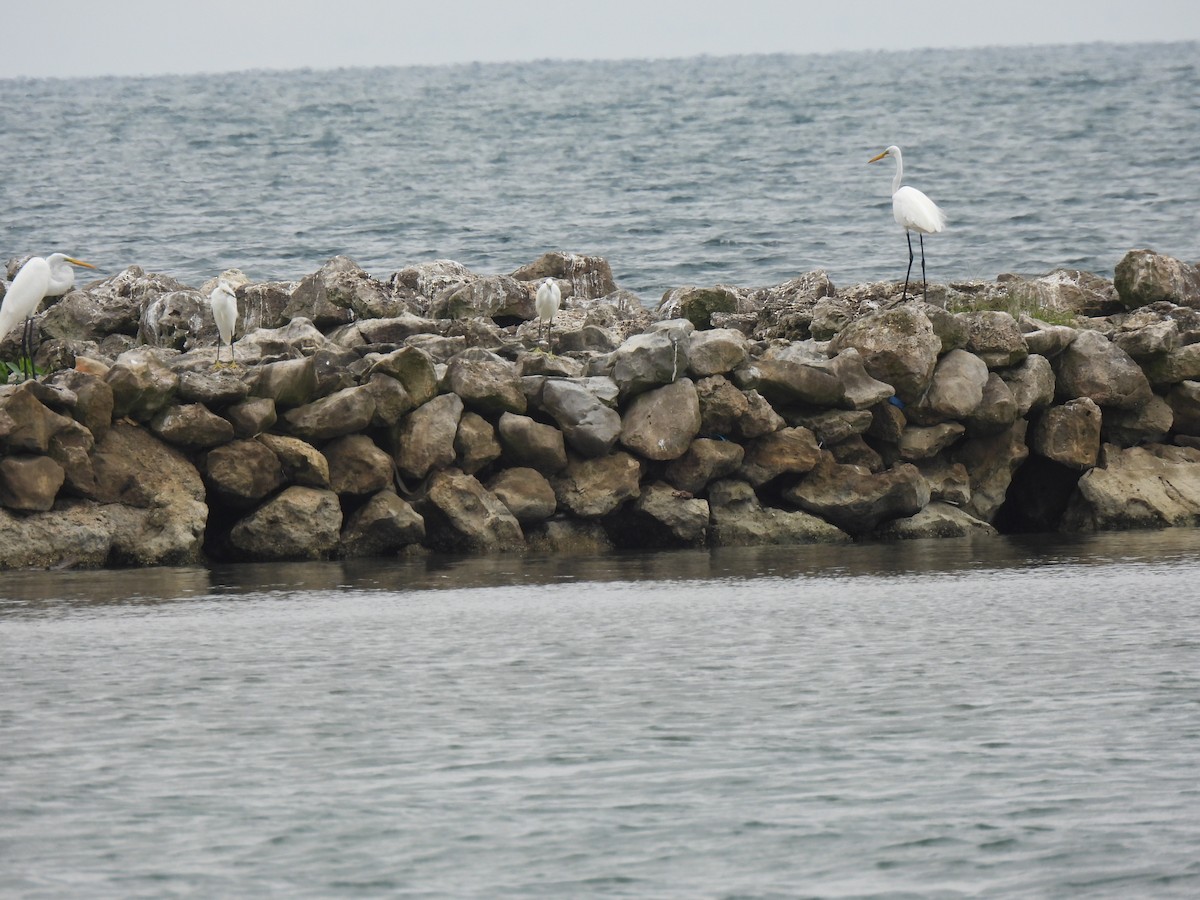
(549, 299)
(913, 212)
(38, 279)
(224, 308)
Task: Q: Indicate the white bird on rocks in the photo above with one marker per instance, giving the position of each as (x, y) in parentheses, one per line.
(549, 299)
(914, 212)
(224, 308)
(38, 279)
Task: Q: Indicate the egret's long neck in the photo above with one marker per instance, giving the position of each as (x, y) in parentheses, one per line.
(62, 279)
(899, 172)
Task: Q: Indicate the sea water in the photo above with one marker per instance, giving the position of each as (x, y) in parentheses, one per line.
(1003, 717)
(744, 170)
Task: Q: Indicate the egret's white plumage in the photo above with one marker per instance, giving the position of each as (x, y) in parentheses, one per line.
(912, 210)
(38, 279)
(224, 308)
(549, 299)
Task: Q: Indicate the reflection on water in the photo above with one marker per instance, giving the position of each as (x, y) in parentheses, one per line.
(27, 591)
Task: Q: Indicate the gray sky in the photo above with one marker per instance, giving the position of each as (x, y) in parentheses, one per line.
(126, 37)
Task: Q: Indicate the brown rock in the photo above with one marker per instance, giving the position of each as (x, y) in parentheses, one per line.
(242, 473)
(29, 482)
(591, 488)
(526, 493)
(357, 468)
(532, 444)
(299, 523)
(382, 526)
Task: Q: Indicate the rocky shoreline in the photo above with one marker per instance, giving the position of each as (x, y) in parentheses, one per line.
(418, 414)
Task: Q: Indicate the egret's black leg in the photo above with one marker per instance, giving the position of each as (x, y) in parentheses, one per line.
(27, 349)
(924, 284)
(908, 234)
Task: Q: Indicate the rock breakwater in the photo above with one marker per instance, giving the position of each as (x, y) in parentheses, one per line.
(369, 417)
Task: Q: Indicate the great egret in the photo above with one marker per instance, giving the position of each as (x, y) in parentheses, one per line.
(38, 279)
(224, 308)
(549, 299)
(914, 212)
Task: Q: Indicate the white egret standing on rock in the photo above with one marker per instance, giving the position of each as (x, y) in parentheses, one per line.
(549, 299)
(224, 308)
(914, 212)
(38, 279)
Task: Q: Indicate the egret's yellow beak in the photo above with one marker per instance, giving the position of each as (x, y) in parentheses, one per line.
(877, 158)
(79, 262)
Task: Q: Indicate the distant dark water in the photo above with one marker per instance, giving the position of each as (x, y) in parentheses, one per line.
(992, 718)
(743, 170)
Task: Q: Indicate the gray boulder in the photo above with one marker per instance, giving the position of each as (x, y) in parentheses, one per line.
(158, 512)
(461, 514)
(1046, 340)
(590, 277)
(1144, 277)
(664, 516)
(141, 385)
(789, 451)
(357, 468)
(589, 425)
(956, 389)
(1174, 366)
(784, 378)
(1148, 341)
(287, 383)
(995, 338)
(997, 410)
(1032, 384)
(345, 412)
(649, 360)
(242, 473)
(191, 425)
(1068, 434)
(299, 523)
(832, 426)
(992, 460)
(424, 440)
(300, 462)
(532, 444)
(858, 501)
(1155, 486)
(705, 461)
(937, 520)
(898, 347)
(592, 488)
(660, 424)
(28, 423)
(487, 384)
(339, 292)
(1096, 368)
(716, 351)
(1147, 424)
(924, 442)
(526, 493)
(382, 526)
(475, 443)
(413, 368)
(738, 519)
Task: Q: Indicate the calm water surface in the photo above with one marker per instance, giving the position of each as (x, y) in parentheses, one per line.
(1013, 717)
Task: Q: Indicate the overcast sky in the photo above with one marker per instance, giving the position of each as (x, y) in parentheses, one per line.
(125, 37)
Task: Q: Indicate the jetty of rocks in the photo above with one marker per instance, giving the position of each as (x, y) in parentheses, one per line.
(369, 417)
